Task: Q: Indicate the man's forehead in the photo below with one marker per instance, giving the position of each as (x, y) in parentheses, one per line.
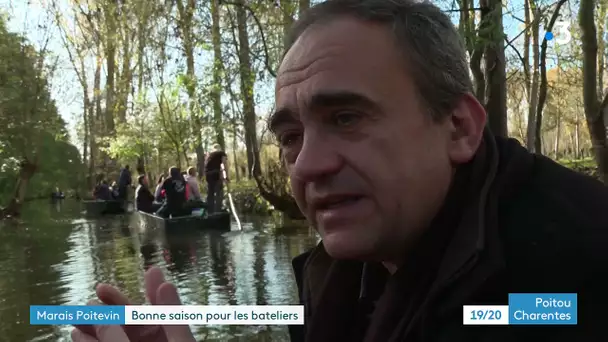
(342, 39)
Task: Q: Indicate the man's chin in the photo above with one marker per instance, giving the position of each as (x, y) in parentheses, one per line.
(348, 246)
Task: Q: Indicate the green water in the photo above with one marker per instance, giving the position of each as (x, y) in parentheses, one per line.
(57, 256)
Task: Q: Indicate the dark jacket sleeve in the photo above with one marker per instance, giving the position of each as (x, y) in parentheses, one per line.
(297, 333)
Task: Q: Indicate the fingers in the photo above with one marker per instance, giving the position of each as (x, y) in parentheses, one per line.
(109, 295)
(79, 336)
(104, 333)
(86, 330)
(167, 295)
(110, 333)
(153, 279)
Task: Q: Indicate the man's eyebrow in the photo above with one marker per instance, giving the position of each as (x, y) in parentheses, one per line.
(341, 98)
(279, 117)
(322, 100)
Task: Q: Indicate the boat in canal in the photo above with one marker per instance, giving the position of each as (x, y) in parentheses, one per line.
(99, 207)
(216, 221)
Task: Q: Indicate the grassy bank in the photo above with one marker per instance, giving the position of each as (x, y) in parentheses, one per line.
(586, 166)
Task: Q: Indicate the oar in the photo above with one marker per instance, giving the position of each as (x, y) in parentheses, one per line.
(236, 217)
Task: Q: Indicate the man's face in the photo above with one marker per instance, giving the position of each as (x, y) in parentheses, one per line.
(368, 167)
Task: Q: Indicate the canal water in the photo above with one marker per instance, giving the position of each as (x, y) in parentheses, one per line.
(57, 256)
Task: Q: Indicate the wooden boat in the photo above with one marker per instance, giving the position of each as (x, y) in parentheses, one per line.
(216, 221)
(57, 195)
(95, 207)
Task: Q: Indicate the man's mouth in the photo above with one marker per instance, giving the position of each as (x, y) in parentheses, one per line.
(337, 210)
(335, 202)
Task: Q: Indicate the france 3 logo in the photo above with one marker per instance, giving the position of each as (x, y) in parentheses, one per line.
(560, 34)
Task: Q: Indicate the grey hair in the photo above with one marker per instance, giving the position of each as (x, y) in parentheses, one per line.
(434, 52)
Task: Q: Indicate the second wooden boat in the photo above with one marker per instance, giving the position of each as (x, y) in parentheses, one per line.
(215, 221)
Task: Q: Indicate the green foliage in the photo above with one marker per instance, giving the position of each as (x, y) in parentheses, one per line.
(587, 166)
(247, 199)
(32, 130)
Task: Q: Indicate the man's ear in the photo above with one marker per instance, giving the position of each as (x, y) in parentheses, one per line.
(467, 123)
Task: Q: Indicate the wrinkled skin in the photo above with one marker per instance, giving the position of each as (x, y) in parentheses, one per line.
(368, 166)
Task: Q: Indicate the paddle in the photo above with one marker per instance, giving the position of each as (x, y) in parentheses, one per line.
(236, 217)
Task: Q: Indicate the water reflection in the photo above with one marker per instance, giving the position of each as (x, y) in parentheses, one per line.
(57, 256)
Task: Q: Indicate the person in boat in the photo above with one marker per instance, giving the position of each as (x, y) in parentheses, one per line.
(57, 194)
(159, 194)
(144, 199)
(175, 195)
(114, 190)
(124, 181)
(215, 178)
(194, 190)
(102, 191)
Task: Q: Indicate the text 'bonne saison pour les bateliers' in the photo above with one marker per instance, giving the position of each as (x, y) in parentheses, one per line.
(98, 316)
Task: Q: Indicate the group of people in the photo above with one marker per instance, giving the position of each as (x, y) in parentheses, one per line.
(179, 193)
(117, 191)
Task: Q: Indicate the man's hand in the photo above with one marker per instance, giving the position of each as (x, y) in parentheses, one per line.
(158, 292)
(108, 333)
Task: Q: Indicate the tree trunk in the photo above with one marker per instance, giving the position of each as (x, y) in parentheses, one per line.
(601, 46)
(85, 125)
(287, 11)
(92, 147)
(185, 24)
(237, 171)
(476, 52)
(542, 95)
(577, 141)
(95, 119)
(218, 67)
(595, 112)
(26, 171)
(125, 80)
(303, 5)
(558, 131)
(110, 87)
(495, 67)
(467, 25)
(247, 81)
(534, 86)
(527, 39)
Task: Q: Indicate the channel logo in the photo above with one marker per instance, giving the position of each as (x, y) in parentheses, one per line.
(560, 34)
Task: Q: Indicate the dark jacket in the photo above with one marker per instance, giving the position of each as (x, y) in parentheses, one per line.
(514, 222)
(213, 166)
(124, 179)
(175, 190)
(144, 199)
(102, 192)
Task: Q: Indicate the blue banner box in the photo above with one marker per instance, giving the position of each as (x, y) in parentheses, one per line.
(76, 314)
(542, 309)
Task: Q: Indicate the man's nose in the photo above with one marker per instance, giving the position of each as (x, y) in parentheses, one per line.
(317, 159)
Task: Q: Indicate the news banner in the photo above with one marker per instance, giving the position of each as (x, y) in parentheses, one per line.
(522, 309)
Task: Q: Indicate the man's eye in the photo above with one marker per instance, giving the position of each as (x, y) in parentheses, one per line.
(288, 139)
(345, 119)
